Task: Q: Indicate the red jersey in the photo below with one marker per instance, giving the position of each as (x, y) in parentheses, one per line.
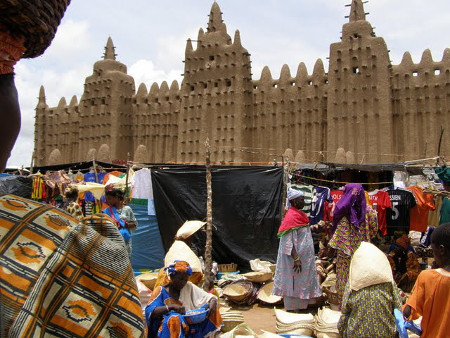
(380, 202)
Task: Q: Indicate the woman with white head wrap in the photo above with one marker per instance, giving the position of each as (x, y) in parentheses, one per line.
(370, 296)
(295, 275)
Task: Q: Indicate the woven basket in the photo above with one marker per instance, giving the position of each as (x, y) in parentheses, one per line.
(238, 291)
(148, 279)
(265, 295)
(258, 277)
(228, 325)
(36, 20)
(227, 267)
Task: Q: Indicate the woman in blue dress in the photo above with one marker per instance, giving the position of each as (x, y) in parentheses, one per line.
(169, 302)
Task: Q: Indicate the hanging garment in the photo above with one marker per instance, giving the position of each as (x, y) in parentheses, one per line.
(38, 188)
(434, 216)
(142, 184)
(329, 206)
(320, 196)
(91, 177)
(380, 202)
(419, 214)
(445, 211)
(397, 218)
(308, 191)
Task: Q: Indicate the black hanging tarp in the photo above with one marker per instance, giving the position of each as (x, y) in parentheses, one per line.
(246, 207)
(17, 185)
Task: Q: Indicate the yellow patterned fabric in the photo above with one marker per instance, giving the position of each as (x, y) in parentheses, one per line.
(369, 312)
(61, 278)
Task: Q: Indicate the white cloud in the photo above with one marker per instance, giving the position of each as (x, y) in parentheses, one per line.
(72, 40)
(144, 71)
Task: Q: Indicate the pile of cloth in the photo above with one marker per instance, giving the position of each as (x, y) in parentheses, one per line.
(326, 323)
(294, 323)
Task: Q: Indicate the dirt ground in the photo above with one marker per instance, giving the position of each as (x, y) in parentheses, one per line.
(258, 317)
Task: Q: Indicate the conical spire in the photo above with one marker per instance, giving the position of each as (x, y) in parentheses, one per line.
(426, 56)
(62, 103)
(237, 38)
(73, 101)
(109, 50)
(215, 22)
(189, 48)
(446, 55)
(357, 11)
(42, 95)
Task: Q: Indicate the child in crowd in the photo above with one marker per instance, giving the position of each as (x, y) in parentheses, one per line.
(431, 294)
(122, 214)
(71, 205)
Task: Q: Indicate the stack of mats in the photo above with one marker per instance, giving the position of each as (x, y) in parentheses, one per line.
(231, 319)
(326, 323)
(294, 323)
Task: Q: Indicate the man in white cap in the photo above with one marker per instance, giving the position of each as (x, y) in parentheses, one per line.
(295, 275)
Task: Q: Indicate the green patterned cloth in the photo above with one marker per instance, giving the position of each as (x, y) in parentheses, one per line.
(369, 312)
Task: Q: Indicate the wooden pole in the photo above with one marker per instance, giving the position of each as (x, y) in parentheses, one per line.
(126, 177)
(208, 248)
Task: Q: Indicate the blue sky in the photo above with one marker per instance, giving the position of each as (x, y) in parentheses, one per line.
(150, 38)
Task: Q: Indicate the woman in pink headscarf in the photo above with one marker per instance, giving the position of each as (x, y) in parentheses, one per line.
(355, 222)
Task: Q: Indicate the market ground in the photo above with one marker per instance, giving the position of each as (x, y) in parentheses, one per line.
(258, 317)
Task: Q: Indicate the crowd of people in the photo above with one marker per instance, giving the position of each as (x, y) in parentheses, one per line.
(367, 279)
(67, 275)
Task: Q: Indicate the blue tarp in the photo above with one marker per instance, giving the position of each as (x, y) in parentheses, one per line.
(148, 252)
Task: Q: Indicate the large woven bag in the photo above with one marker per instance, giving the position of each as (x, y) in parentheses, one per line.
(35, 20)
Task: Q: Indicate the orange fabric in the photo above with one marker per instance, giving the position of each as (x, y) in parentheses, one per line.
(162, 279)
(11, 50)
(174, 325)
(430, 299)
(114, 173)
(419, 214)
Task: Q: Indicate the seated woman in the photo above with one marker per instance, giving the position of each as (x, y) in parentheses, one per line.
(169, 302)
(404, 263)
(370, 296)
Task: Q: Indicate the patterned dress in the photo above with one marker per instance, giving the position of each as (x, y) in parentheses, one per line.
(369, 312)
(346, 240)
(75, 210)
(297, 289)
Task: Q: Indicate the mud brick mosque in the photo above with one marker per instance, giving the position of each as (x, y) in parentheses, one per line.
(361, 109)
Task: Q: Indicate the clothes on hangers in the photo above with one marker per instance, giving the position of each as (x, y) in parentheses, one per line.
(91, 177)
(380, 202)
(38, 192)
(79, 177)
(398, 217)
(329, 206)
(320, 196)
(419, 214)
(445, 211)
(434, 216)
(308, 191)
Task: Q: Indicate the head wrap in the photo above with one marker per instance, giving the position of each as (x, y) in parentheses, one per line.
(369, 266)
(178, 266)
(352, 205)
(292, 194)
